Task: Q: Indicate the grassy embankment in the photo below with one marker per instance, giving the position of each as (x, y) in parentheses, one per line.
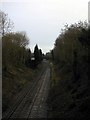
(68, 98)
(14, 80)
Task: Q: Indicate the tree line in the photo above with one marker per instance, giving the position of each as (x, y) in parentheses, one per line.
(72, 48)
(70, 85)
(14, 46)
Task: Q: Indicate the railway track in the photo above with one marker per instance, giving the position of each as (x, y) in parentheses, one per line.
(39, 101)
(27, 98)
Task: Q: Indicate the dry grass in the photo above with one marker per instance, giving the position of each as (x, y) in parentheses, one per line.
(13, 82)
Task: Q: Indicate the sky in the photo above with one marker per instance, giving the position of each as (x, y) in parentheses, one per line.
(89, 12)
(43, 20)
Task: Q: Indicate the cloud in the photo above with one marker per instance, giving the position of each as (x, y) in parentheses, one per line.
(43, 19)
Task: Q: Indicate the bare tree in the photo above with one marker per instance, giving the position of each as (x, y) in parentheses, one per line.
(5, 24)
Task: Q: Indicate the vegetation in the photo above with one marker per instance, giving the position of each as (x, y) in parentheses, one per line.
(16, 62)
(6, 24)
(69, 95)
(14, 51)
(38, 55)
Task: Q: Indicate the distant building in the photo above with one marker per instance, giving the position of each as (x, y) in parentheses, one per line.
(89, 12)
(32, 58)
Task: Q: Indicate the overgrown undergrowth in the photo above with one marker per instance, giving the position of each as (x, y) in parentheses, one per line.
(68, 98)
(13, 81)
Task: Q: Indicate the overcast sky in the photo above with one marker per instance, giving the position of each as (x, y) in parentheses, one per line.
(43, 19)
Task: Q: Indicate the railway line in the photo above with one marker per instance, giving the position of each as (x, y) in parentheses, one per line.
(31, 102)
